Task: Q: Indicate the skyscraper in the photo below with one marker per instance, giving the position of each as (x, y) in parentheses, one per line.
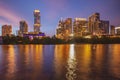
(79, 26)
(118, 31)
(104, 27)
(23, 28)
(6, 30)
(37, 23)
(64, 29)
(94, 23)
(97, 26)
(68, 25)
(112, 30)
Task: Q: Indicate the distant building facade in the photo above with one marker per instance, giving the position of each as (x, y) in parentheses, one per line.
(68, 25)
(97, 26)
(94, 23)
(117, 30)
(60, 29)
(112, 30)
(6, 30)
(79, 26)
(64, 28)
(37, 23)
(104, 27)
(23, 28)
(1, 40)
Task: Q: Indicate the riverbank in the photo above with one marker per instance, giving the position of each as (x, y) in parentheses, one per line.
(49, 41)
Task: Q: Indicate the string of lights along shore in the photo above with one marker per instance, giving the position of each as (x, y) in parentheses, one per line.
(79, 27)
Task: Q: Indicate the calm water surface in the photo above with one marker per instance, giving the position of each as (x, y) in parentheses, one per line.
(60, 62)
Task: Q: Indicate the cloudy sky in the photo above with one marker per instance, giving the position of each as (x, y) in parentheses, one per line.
(12, 11)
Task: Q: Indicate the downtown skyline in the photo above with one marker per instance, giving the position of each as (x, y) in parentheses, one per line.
(12, 11)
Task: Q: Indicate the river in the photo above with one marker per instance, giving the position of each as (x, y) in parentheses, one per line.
(60, 62)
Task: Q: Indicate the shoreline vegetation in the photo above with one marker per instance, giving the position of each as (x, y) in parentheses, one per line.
(6, 40)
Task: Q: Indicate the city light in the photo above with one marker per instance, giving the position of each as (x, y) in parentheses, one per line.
(78, 19)
(67, 29)
(36, 10)
(87, 37)
(59, 40)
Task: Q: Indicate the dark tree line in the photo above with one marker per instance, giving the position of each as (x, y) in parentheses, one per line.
(54, 40)
(27, 40)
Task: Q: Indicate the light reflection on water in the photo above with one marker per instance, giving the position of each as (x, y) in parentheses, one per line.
(71, 66)
(11, 67)
(60, 62)
(115, 60)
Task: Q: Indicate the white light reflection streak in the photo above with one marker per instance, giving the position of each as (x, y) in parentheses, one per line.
(71, 66)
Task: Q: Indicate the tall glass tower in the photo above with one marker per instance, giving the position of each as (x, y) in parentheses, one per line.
(23, 27)
(37, 21)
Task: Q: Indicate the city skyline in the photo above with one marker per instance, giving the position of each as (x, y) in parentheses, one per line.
(12, 12)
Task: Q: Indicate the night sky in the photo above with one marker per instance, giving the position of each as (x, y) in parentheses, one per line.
(12, 11)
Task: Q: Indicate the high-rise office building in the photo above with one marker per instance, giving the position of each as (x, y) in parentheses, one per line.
(64, 28)
(60, 27)
(23, 28)
(37, 23)
(68, 25)
(117, 30)
(112, 30)
(104, 27)
(97, 26)
(79, 26)
(94, 23)
(6, 30)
